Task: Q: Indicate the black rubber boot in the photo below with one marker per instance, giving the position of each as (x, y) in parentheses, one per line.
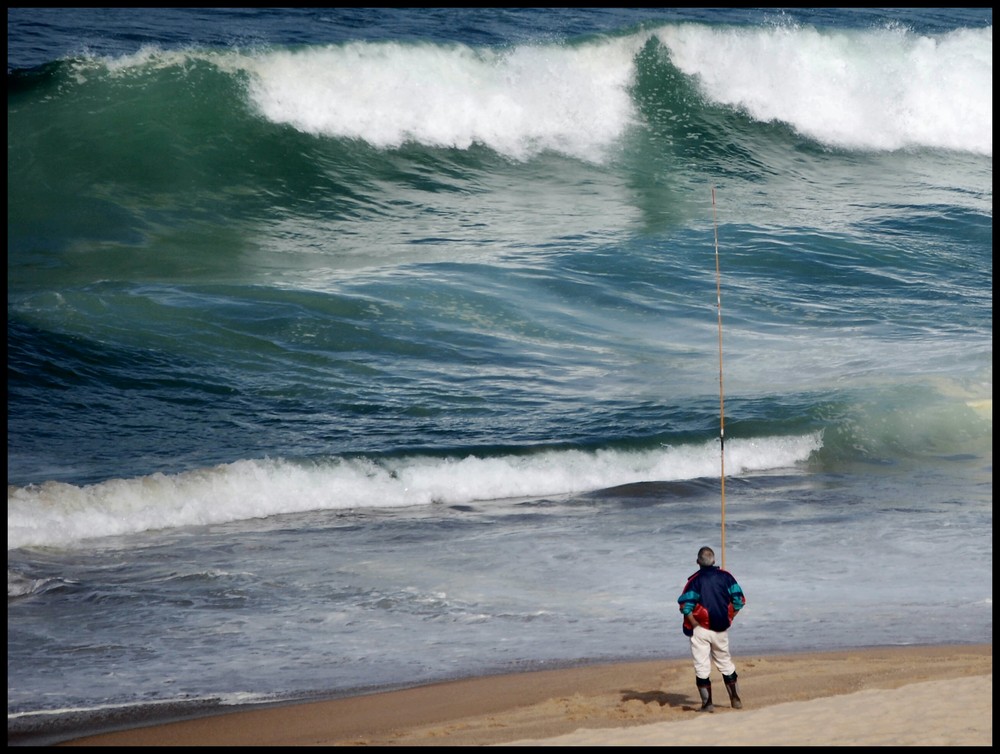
(734, 690)
(705, 690)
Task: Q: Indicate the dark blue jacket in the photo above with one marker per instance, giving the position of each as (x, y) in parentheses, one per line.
(713, 596)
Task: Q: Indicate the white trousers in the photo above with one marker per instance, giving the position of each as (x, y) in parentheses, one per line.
(709, 646)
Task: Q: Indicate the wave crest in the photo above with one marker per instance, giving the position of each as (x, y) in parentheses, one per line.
(518, 101)
(879, 90)
(59, 514)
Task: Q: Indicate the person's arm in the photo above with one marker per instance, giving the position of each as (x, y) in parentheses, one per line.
(736, 596)
(688, 602)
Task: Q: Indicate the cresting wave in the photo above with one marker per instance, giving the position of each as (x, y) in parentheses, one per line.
(58, 514)
(880, 90)
(872, 90)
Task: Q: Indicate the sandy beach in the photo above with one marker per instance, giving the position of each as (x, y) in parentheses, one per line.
(940, 695)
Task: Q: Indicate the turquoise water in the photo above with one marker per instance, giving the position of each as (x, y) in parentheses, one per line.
(363, 347)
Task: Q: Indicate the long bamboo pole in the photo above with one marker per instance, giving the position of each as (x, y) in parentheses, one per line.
(722, 411)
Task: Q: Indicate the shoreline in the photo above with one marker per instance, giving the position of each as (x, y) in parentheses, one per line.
(600, 704)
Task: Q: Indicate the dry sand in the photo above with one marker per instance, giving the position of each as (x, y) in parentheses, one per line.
(940, 696)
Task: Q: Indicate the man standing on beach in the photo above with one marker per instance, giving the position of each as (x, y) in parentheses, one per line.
(710, 601)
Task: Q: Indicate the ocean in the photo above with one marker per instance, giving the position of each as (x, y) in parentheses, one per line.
(351, 349)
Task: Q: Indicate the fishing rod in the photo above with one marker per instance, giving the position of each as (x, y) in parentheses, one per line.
(722, 411)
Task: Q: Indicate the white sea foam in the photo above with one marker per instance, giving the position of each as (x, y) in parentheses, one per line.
(518, 101)
(883, 89)
(59, 514)
(877, 90)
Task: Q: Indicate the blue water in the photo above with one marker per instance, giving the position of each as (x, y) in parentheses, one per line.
(357, 348)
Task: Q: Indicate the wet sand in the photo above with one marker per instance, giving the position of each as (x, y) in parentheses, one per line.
(939, 695)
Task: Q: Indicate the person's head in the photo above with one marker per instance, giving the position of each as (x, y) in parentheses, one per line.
(706, 557)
